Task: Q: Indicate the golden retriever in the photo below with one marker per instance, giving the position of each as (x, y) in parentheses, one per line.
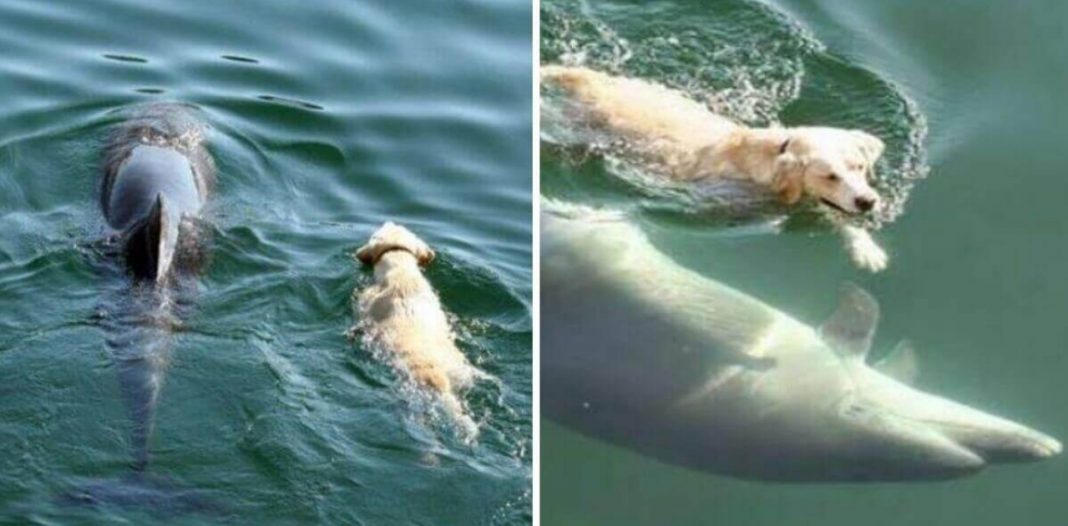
(690, 143)
(400, 314)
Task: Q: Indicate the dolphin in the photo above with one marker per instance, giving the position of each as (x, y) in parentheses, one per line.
(646, 354)
(157, 175)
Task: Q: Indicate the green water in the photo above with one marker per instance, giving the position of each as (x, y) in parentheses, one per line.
(328, 118)
(970, 93)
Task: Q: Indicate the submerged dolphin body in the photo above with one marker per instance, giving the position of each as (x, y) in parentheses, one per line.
(646, 354)
(156, 178)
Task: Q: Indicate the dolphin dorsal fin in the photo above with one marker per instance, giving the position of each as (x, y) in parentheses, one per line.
(166, 236)
(851, 327)
(150, 246)
(901, 363)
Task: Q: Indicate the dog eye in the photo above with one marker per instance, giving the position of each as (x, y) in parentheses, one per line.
(833, 177)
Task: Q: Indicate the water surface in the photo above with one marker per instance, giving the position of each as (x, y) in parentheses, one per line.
(968, 97)
(327, 118)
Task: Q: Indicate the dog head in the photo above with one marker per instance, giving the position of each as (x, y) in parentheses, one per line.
(830, 164)
(391, 236)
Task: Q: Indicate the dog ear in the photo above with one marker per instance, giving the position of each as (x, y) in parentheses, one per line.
(788, 183)
(871, 147)
(789, 188)
(391, 236)
(366, 254)
(425, 256)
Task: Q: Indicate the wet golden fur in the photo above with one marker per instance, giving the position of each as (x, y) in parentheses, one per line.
(686, 142)
(402, 315)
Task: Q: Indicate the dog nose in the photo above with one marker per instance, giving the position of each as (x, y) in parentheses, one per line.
(864, 204)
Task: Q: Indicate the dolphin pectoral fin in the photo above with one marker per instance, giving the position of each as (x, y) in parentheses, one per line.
(851, 327)
(901, 364)
(149, 246)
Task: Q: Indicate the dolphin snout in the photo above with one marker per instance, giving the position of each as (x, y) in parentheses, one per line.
(995, 439)
(951, 461)
(933, 455)
(957, 438)
(1020, 445)
(1043, 447)
(1048, 447)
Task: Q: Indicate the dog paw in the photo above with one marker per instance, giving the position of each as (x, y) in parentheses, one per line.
(868, 255)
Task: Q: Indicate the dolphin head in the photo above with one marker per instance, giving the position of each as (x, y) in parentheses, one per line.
(822, 413)
(893, 431)
(823, 422)
(928, 436)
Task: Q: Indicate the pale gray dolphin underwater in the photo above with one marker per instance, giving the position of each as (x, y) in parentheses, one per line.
(646, 354)
(157, 175)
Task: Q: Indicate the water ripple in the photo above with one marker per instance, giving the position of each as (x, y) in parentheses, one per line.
(324, 122)
(126, 58)
(745, 60)
(292, 102)
(237, 58)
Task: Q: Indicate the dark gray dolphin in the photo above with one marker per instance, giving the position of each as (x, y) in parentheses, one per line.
(644, 353)
(157, 176)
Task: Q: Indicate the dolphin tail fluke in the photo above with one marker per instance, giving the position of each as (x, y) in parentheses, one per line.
(142, 491)
(150, 246)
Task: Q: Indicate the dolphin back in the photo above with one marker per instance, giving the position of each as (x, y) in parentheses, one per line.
(597, 256)
(156, 175)
(627, 333)
(168, 126)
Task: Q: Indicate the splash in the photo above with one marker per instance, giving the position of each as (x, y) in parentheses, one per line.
(446, 410)
(742, 59)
